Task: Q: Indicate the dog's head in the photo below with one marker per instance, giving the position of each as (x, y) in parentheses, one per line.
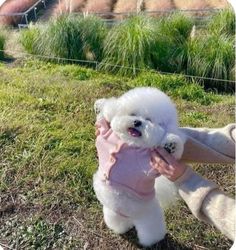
(141, 117)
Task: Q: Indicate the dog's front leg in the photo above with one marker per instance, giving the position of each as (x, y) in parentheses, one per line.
(174, 145)
(150, 224)
(118, 223)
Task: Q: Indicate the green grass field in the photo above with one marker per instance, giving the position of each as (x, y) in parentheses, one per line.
(48, 157)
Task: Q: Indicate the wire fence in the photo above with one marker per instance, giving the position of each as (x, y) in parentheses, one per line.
(97, 65)
(25, 14)
(113, 17)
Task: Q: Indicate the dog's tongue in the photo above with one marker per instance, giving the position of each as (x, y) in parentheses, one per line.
(134, 132)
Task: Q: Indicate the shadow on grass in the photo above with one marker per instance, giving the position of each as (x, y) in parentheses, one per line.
(8, 136)
(168, 243)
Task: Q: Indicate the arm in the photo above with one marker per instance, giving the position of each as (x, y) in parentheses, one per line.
(202, 196)
(210, 145)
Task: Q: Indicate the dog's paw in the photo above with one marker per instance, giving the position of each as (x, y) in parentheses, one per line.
(170, 147)
(98, 105)
(174, 145)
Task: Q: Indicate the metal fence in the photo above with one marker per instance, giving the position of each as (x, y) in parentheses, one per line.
(113, 18)
(25, 15)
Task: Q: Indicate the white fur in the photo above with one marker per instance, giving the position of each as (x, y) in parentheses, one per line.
(159, 128)
(146, 216)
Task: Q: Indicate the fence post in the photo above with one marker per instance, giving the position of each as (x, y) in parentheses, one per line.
(26, 19)
(35, 13)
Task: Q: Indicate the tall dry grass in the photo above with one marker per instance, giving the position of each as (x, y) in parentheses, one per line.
(153, 5)
(68, 6)
(191, 4)
(218, 3)
(14, 6)
(127, 6)
(100, 6)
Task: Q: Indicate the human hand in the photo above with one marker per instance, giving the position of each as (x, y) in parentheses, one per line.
(166, 164)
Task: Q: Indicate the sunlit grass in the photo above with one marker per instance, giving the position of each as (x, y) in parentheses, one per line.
(212, 56)
(128, 46)
(48, 155)
(171, 43)
(223, 22)
(2, 44)
(67, 37)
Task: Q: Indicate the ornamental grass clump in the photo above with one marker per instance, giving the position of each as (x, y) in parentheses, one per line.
(212, 56)
(223, 22)
(128, 46)
(93, 32)
(71, 37)
(29, 38)
(171, 46)
(62, 39)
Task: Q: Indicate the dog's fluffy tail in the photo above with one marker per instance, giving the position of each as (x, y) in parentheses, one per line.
(166, 192)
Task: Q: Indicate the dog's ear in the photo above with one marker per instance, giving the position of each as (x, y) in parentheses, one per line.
(98, 106)
(110, 109)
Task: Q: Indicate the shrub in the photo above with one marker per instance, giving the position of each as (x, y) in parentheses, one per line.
(2, 45)
(127, 47)
(171, 46)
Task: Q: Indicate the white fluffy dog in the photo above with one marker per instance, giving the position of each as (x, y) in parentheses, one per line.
(129, 127)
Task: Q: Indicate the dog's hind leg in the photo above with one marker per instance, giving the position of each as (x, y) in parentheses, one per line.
(150, 225)
(118, 223)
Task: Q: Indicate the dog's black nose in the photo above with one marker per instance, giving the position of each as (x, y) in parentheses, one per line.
(137, 123)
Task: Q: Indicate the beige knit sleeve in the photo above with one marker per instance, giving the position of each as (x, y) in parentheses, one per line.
(207, 202)
(205, 145)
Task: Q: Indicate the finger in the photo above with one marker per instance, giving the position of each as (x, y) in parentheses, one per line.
(158, 163)
(167, 157)
(155, 155)
(161, 166)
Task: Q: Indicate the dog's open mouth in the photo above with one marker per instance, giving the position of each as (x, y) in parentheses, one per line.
(134, 132)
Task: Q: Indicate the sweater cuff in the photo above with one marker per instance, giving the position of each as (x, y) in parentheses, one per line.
(193, 189)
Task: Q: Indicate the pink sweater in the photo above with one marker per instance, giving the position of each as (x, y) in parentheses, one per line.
(124, 166)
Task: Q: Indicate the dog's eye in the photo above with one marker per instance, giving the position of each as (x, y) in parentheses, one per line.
(148, 119)
(133, 114)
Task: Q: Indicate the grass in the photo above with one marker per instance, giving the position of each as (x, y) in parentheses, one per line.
(211, 53)
(171, 43)
(223, 22)
(67, 37)
(141, 42)
(212, 56)
(29, 38)
(128, 46)
(48, 157)
(2, 45)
